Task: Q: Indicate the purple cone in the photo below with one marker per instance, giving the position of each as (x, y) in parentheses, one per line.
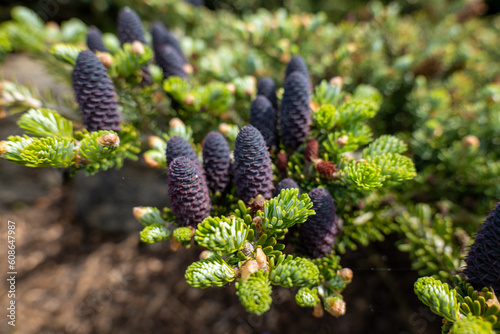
(94, 40)
(286, 184)
(295, 116)
(188, 192)
(179, 147)
(317, 234)
(267, 87)
(95, 93)
(170, 62)
(216, 161)
(263, 117)
(252, 165)
(130, 27)
(483, 260)
(161, 37)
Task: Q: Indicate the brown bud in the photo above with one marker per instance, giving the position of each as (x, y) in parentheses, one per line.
(193, 231)
(109, 139)
(342, 140)
(231, 87)
(311, 152)
(3, 113)
(188, 68)
(318, 310)
(314, 105)
(335, 306)
(261, 259)
(248, 269)
(250, 27)
(105, 59)
(351, 47)
(345, 274)
(154, 141)
(325, 168)
(151, 162)
(258, 223)
(140, 211)
(250, 90)
(224, 128)
(189, 99)
(137, 48)
(257, 204)
(205, 254)
(248, 249)
(3, 147)
(337, 81)
(175, 123)
(494, 300)
(175, 245)
(282, 162)
(470, 141)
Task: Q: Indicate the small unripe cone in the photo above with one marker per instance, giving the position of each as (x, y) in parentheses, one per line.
(285, 184)
(317, 234)
(216, 161)
(282, 162)
(263, 117)
(161, 37)
(170, 62)
(188, 192)
(312, 149)
(130, 27)
(297, 63)
(95, 93)
(94, 40)
(252, 165)
(295, 115)
(325, 168)
(483, 260)
(267, 88)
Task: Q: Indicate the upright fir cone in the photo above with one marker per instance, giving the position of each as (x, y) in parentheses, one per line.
(317, 234)
(180, 147)
(312, 150)
(216, 161)
(285, 184)
(161, 37)
(252, 165)
(295, 116)
(170, 62)
(263, 117)
(297, 63)
(483, 260)
(188, 192)
(267, 87)
(94, 40)
(95, 93)
(130, 27)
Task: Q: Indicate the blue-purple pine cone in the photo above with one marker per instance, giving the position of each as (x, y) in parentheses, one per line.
(188, 192)
(286, 184)
(130, 27)
(95, 93)
(295, 116)
(179, 147)
(161, 37)
(483, 260)
(297, 63)
(252, 165)
(94, 40)
(170, 62)
(267, 87)
(263, 118)
(216, 161)
(317, 234)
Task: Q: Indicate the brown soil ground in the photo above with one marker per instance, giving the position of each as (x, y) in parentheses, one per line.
(82, 269)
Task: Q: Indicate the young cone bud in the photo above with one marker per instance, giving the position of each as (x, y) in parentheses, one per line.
(161, 37)
(95, 93)
(252, 165)
(317, 234)
(297, 63)
(170, 62)
(216, 161)
(483, 260)
(282, 162)
(311, 152)
(295, 116)
(130, 27)
(286, 184)
(188, 192)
